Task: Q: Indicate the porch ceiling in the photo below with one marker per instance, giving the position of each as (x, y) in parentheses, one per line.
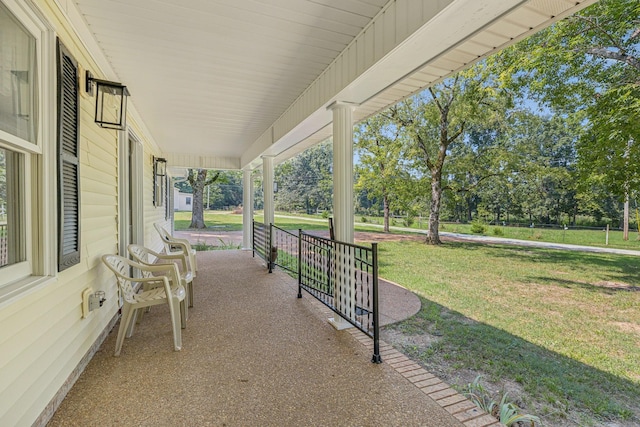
(212, 77)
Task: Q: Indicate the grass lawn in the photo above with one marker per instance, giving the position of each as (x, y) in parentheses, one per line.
(564, 327)
(222, 220)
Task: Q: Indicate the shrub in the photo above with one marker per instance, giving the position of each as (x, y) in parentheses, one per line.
(408, 221)
(363, 219)
(478, 227)
(497, 231)
(325, 214)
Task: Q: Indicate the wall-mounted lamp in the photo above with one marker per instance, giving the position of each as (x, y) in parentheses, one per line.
(111, 102)
(159, 179)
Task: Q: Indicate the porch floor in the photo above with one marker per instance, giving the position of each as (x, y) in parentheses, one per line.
(252, 354)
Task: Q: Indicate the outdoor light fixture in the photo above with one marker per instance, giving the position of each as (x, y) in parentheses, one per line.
(111, 102)
(159, 179)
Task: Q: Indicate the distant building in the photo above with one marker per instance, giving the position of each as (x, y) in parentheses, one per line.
(182, 201)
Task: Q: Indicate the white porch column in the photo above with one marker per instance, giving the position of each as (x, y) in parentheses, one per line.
(342, 171)
(267, 185)
(247, 208)
(342, 207)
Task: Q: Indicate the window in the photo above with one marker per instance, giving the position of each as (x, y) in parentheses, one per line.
(27, 148)
(188, 201)
(12, 250)
(18, 124)
(18, 82)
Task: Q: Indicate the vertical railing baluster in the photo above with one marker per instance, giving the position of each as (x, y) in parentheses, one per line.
(376, 323)
(299, 263)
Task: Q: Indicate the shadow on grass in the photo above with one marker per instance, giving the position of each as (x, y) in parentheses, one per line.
(555, 384)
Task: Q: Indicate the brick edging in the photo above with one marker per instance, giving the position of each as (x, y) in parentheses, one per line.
(453, 402)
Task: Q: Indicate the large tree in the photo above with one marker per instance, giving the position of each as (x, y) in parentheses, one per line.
(436, 119)
(198, 179)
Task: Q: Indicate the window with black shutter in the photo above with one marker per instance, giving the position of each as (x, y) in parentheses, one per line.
(68, 160)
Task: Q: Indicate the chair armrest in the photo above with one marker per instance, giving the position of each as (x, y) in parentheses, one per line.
(184, 247)
(170, 257)
(176, 240)
(172, 269)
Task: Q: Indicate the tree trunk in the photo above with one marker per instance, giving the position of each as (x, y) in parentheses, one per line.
(197, 184)
(433, 238)
(625, 221)
(385, 210)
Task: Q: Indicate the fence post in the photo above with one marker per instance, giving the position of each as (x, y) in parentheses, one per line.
(268, 251)
(376, 324)
(300, 263)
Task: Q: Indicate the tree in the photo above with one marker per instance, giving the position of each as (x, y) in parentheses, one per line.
(588, 66)
(380, 172)
(305, 182)
(435, 120)
(198, 179)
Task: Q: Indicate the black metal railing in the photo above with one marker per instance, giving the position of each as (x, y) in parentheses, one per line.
(343, 276)
(260, 239)
(284, 250)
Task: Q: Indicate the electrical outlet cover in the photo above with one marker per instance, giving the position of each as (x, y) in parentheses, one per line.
(85, 302)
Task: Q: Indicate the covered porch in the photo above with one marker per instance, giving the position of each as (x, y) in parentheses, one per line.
(255, 354)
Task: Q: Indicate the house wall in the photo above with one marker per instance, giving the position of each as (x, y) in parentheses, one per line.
(180, 201)
(44, 342)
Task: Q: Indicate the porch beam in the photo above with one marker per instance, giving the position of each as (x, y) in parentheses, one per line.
(267, 186)
(342, 204)
(247, 208)
(343, 170)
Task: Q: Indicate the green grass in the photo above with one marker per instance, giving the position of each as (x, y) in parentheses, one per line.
(222, 220)
(571, 236)
(553, 321)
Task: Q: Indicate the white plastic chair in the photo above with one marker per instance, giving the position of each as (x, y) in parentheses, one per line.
(144, 255)
(160, 292)
(183, 245)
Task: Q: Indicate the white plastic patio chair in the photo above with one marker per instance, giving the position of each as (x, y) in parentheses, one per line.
(135, 301)
(182, 245)
(144, 255)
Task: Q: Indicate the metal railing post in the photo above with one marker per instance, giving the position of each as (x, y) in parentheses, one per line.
(269, 251)
(376, 324)
(253, 239)
(300, 263)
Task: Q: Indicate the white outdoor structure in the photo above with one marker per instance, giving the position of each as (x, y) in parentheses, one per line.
(222, 84)
(182, 201)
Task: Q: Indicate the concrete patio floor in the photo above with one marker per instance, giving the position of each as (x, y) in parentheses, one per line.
(254, 354)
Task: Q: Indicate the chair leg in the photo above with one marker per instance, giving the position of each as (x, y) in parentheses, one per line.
(183, 313)
(174, 305)
(135, 315)
(127, 312)
(193, 264)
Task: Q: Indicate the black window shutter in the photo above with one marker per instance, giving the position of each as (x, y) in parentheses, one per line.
(68, 160)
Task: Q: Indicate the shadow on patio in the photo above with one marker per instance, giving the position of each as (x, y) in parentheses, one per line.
(253, 354)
